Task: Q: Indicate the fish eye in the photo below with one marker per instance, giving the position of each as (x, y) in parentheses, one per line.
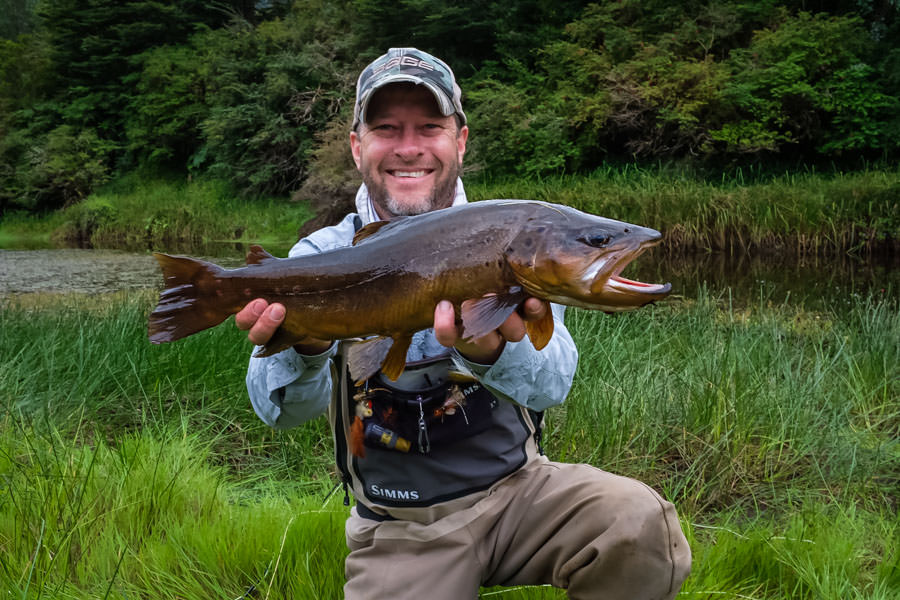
(595, 240)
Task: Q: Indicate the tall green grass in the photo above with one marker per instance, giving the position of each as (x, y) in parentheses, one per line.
(806, 213)
(141, 212)
(132, 470)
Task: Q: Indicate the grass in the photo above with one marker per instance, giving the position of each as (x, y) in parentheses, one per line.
(805, 213)
(137, 212)
(131, 470)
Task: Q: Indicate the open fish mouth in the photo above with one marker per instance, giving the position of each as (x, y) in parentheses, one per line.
(641, 291)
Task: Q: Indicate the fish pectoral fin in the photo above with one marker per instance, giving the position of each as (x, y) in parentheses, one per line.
(371, 229)
(395, 361)
(258, 256)
(540, 332)
(482, 316)
(365, 358)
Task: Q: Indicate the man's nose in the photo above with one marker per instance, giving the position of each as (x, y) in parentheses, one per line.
(409, 145)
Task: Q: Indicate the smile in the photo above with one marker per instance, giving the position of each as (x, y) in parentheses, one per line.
(410, 174)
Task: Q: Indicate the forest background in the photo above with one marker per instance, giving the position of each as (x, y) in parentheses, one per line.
(258, 94)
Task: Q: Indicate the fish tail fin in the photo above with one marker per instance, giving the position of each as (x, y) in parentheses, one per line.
(188, 303)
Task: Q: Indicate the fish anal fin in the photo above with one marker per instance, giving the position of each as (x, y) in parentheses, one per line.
(484, 315)
(258, 256)
(395, 361)
(368, 230)
(365, 358)
(541, 330)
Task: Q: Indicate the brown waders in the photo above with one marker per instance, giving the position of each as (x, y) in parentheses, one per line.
(598, 535)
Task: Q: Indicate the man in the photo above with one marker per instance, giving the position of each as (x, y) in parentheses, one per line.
(451, 490)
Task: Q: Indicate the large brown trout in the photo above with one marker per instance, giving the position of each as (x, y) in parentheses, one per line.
(389, 281)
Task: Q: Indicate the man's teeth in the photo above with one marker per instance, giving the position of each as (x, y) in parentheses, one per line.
(409, 173)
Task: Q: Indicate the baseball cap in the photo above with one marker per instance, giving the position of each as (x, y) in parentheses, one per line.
(410, 65)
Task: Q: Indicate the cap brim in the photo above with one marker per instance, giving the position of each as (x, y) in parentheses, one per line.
(445, 104)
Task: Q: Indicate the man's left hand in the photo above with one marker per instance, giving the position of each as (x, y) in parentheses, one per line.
(485, 350)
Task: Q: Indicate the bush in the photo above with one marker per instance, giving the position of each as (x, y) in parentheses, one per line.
(65, 166)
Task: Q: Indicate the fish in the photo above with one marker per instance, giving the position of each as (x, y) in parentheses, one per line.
(384, 287)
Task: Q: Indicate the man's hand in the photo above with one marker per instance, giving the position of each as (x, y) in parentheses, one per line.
(485, 350)
(260, 319)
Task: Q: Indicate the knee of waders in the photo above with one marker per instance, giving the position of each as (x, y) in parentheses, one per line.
(651, 543)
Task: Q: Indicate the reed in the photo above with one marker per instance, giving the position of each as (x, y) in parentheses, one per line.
(803, 213)
(132, 470)
(137, 212)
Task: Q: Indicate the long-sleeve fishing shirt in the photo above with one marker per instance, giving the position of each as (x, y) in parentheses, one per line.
(287, 389)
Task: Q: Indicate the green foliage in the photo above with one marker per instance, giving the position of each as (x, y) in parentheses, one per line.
(273, 88)
(516, 132)
(65, 166)
(806, 81)
(169, 104)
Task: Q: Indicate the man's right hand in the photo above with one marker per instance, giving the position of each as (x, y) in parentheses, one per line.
(260, 319)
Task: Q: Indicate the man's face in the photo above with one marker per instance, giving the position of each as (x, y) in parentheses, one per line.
(408, 153)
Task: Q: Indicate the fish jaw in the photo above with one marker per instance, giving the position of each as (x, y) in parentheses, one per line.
(582, 267)
(611, 292)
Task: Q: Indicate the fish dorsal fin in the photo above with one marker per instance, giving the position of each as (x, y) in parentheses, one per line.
(258, 256)
(372, 228)
(482, 316)
(540, 332)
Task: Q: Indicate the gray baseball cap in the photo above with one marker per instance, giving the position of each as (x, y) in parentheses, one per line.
(414, 66)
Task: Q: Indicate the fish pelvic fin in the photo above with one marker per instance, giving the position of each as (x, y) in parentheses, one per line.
(186, 305)
(395, 361)
(280, 340)
(365, 358)
(540, 332)
(385, 353)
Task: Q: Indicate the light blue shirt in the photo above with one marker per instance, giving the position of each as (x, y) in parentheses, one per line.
(288, 388)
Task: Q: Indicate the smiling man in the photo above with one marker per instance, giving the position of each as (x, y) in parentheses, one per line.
(452, 490)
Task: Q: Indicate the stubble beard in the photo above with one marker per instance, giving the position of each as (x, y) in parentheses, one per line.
(440, 196)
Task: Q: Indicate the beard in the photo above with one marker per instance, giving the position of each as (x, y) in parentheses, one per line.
(440, 196)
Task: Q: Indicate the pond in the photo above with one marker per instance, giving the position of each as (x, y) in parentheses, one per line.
(815, 283)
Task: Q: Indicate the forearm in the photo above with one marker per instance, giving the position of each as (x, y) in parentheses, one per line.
(288, 389)
(532, 378)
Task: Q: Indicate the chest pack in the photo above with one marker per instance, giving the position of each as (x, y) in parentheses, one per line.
(429, 437)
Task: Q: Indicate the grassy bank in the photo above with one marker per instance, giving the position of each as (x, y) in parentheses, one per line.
(137, 212)
(806, 213)
(131, 470)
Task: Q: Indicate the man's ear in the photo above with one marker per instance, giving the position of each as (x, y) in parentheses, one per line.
(355, 144)
(461, 138)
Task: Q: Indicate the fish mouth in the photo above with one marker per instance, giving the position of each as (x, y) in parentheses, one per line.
(622, 293)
